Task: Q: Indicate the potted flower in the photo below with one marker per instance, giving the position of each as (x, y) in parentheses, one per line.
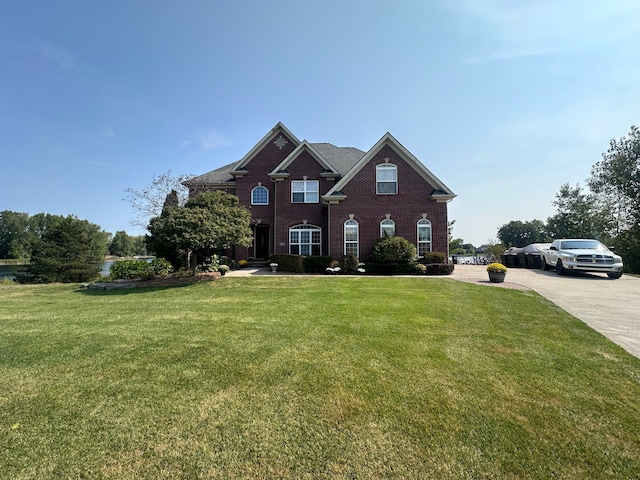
(274, 267)
(497, 272)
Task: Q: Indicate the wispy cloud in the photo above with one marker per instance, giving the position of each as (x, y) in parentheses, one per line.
(59, 56)
(510, 30)
(206, 140)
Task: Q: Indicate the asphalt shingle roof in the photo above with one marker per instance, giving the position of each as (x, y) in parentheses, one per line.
(342, 159)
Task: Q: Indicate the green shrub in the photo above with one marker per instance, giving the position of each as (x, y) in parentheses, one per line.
(128, 269)
(393, 250)
(289, 263)
(224, 260)
(440, 268)
(316, 263)
(433, 257)
(210, 264)
(160, 267)
(223, 269)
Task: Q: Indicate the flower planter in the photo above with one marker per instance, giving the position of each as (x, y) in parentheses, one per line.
(495, 277)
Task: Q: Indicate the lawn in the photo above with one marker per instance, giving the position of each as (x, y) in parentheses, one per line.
(301, 377)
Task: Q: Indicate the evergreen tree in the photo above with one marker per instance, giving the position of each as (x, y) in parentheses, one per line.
(68, 251)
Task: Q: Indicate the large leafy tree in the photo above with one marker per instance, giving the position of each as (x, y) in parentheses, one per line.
(67, 252)
(14, 235)
(19, 232)
(207, 223)
(520, 234)
(122, 245)
(579, 215)
(617, 177)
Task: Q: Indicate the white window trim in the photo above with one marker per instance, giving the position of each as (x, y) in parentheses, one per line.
(389, 222)
(306, 191)
(352, 223)
(260, 187)
(389, 167)
(420, 223)
(306, 228)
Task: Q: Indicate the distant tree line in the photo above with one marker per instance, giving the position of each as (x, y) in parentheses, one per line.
(608, 209)
(21, 233)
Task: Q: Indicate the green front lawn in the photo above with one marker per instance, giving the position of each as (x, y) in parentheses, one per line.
(300, 377)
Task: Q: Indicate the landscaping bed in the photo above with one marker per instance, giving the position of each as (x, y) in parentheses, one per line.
(164, 281)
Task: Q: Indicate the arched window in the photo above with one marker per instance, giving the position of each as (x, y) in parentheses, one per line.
(424, 237)
(387, 228)
(305, 240)
(386, 179)
(351, 246)
(260, 196)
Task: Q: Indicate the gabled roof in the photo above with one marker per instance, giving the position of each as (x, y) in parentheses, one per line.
(441, 192)
(338, 162)
(278, 129)
(341, 156)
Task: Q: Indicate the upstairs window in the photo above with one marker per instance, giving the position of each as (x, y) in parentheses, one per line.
(386, 179)
(424, 237)
(387, 228)
(260, 196)
(305, 191)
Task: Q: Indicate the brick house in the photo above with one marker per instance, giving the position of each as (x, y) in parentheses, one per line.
(319, 199)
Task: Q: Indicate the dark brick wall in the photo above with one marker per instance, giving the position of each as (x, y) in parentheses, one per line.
(291, 214)
(409, 205)
(405, 208)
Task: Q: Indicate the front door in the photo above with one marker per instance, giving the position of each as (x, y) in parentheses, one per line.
(261, 241)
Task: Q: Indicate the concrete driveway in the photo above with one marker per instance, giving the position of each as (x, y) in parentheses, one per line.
(611, 307)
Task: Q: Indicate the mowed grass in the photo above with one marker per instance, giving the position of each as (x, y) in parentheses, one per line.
(300, 377)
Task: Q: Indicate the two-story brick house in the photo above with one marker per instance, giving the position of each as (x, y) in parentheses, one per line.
(319, 199)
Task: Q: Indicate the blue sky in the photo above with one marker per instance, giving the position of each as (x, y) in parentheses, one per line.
(504, 101)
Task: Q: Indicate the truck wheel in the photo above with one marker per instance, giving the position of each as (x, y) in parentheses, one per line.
(545, 265)
(614, 275)
(560, 270)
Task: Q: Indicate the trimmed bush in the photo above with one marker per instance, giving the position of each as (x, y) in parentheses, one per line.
(289, 263)
(393, 250)
(316, 263)
(433, 257)
(440, 268)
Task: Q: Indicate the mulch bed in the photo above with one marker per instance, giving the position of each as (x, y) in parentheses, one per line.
(167, 281)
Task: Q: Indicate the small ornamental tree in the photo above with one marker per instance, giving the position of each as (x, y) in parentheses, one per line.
(207, 223)
(393, 250)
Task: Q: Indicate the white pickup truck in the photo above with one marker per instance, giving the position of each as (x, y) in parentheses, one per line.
(581, 255)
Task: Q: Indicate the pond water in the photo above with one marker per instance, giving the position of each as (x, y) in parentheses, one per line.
(9, 271)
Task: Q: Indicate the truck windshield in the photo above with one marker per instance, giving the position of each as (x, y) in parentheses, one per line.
(582, 244)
